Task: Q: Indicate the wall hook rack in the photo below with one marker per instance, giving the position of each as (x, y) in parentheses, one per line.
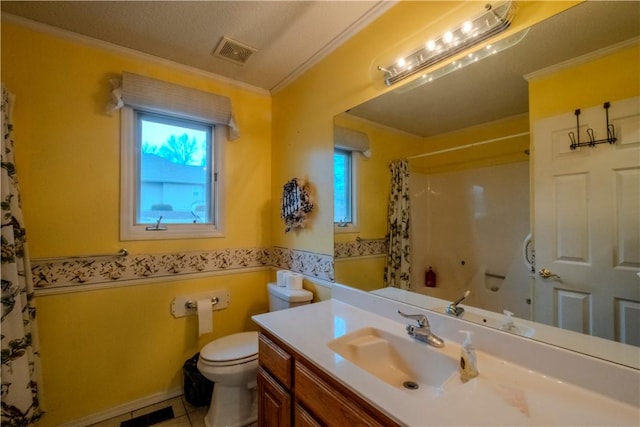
(575, 137)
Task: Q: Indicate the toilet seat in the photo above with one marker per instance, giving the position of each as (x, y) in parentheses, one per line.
(234, 349)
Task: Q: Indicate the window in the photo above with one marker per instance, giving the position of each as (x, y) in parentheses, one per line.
(171, 145)
(343, 187)
(347, 142)
(170, 182)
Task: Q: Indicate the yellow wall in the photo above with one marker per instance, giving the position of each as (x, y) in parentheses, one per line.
(69, 150)
(104, 348)
(498, 152)
(364, 273)
(610, 78)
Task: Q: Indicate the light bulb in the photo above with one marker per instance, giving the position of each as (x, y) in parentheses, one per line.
(467, 27)
(448, 36)
(401, 62)
(431, 45)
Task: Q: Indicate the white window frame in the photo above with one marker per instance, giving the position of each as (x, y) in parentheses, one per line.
(129, 230)
(353, 226)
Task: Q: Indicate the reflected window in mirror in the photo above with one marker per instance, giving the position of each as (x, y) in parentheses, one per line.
(344, 212)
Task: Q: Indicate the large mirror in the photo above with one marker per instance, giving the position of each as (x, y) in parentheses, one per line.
(466, 137)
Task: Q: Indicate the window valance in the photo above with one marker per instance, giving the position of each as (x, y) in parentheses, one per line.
(351, 140)
(164, 97)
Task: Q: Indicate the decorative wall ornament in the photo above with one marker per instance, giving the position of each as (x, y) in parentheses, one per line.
(85, 272)
(360, 248)
(296, 204)
(309, 263)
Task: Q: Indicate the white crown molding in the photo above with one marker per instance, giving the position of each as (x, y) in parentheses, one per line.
(113, 48)
(377, 125)
(380, 8)
(591, 56)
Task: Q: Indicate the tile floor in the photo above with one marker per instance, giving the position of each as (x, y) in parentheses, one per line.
(185, 415)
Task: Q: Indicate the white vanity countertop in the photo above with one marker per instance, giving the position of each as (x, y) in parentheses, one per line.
(503, 394)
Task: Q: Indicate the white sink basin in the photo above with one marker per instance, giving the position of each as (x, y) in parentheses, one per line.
(396, 360)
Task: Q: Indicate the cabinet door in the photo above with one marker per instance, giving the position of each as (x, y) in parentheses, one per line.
(274, 402)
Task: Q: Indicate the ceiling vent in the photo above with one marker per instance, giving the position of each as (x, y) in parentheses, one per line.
(231, 50)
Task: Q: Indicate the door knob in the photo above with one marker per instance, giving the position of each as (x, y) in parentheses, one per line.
(545, 273)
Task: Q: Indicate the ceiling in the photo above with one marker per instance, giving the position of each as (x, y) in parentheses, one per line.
(290, 36)
(494, 88)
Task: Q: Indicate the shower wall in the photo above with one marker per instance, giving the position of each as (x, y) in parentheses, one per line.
(469, 226)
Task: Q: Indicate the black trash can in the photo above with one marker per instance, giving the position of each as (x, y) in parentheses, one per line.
(197, 389)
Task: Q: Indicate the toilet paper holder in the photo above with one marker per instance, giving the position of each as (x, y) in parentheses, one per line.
(186, 305)
(191, 305)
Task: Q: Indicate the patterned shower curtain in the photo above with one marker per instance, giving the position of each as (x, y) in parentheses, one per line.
(397, 272)
(20, 357)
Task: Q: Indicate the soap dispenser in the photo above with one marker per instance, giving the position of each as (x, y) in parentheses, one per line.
(508, 321)
(468, 364)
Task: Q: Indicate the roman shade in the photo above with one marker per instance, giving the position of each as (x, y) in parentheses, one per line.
(163, 97)
(351, 140)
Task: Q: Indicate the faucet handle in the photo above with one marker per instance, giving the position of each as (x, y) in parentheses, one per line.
(420, 318)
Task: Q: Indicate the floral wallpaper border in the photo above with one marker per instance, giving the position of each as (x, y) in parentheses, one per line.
(48, 274)
(360, 248)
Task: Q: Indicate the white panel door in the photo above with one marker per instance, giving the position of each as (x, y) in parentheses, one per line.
(587, 223)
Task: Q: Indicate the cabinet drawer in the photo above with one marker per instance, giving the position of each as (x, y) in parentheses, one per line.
(274, 359)
(303, 419)
(328, 405)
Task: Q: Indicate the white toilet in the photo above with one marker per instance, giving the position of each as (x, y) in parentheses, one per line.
(231, 362)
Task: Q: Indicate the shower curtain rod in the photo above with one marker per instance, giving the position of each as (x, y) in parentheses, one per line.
(417, 156)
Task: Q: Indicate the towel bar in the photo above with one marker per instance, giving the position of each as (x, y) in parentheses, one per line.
(121, 253)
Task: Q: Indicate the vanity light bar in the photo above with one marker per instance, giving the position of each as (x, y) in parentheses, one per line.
(473, 57)
(493, 21)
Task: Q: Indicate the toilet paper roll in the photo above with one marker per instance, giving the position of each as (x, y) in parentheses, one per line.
(282, 277)
(294, 281)
(205, 316)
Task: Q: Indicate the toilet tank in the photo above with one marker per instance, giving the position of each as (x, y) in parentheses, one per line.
(281, 298)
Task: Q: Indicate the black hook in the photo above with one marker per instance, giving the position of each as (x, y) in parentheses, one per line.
(611, 132)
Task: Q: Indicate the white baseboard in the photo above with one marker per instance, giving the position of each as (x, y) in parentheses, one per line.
(124, 408)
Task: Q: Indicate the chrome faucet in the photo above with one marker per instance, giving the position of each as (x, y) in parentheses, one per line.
(423, 331)
(453, 308)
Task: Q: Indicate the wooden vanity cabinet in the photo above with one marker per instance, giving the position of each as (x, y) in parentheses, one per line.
(292, 391)
(275, 373)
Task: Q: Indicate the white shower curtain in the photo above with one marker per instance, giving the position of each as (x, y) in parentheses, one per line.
(397, 272)
(20, 357)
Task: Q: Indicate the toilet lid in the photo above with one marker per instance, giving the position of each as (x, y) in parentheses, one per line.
(290, 295)
(232, 347)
